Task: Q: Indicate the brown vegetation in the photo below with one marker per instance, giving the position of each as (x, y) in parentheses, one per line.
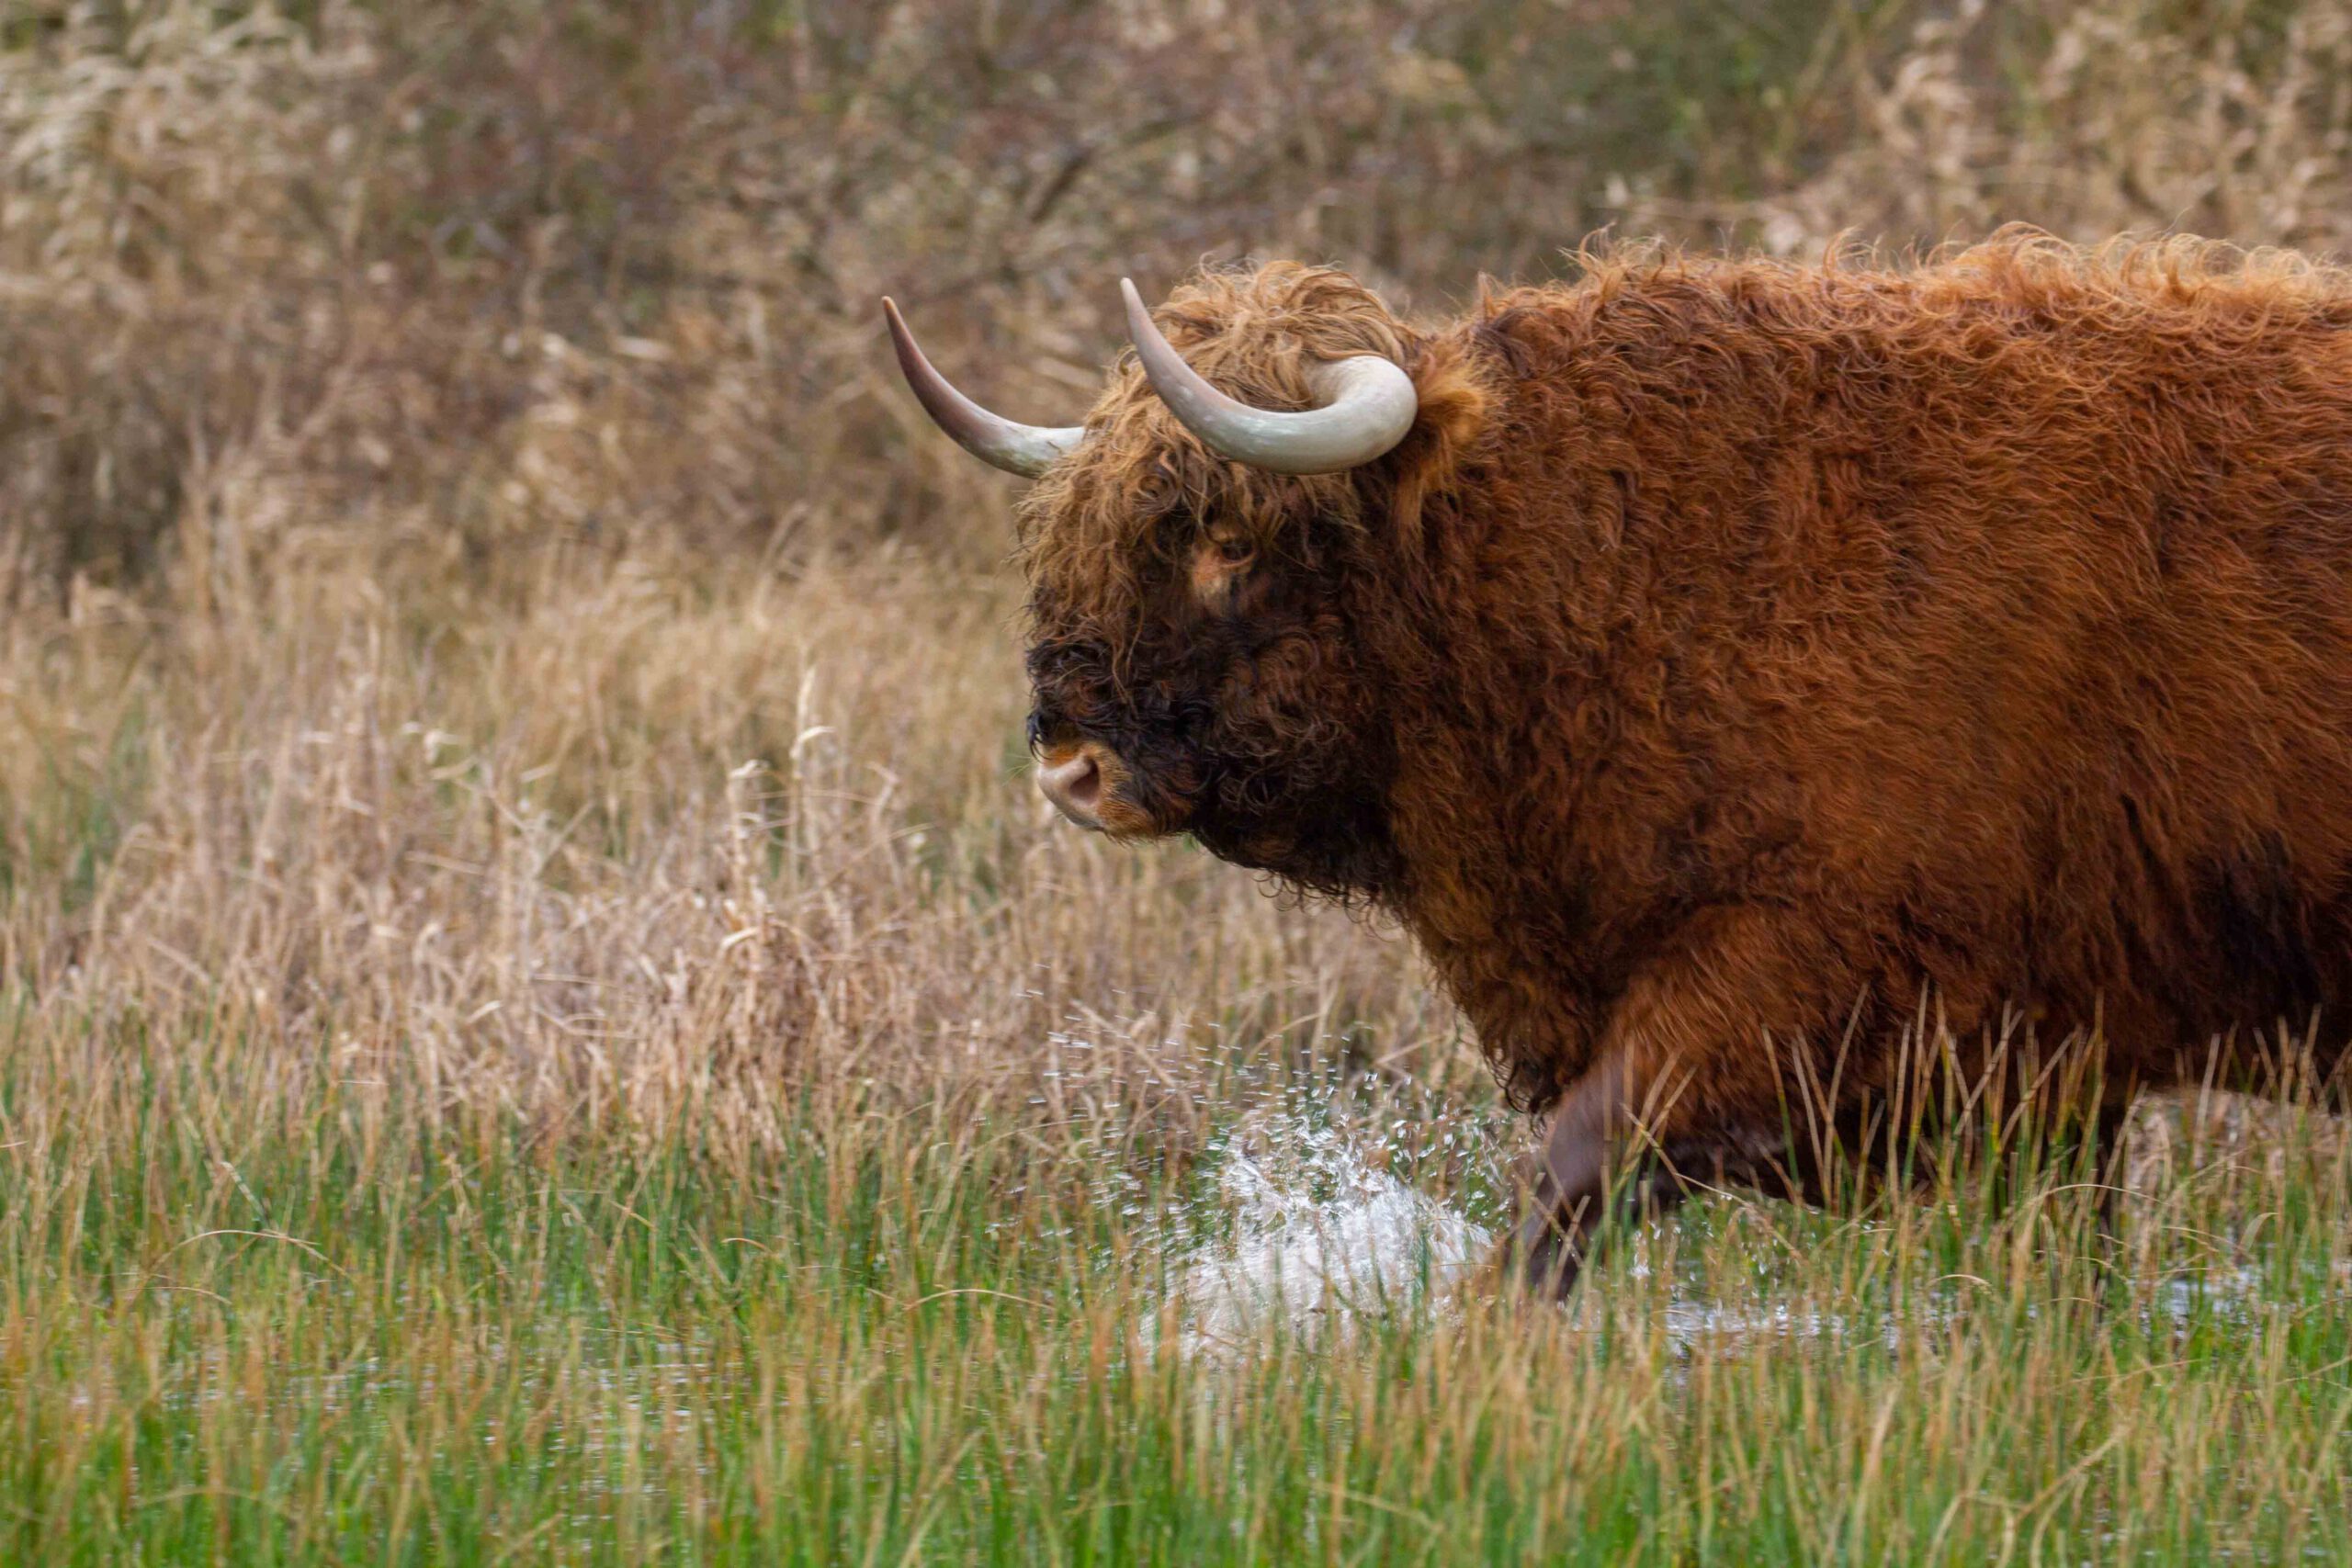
(506, 377)
(478, 277)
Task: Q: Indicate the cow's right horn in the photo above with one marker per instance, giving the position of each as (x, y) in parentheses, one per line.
(1026, 449)
(1368, 405)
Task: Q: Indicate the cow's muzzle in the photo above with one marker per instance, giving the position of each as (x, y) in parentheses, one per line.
(1076, 779)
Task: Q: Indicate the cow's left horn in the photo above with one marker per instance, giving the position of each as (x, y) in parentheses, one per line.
(1026, 449)
(1367, 405)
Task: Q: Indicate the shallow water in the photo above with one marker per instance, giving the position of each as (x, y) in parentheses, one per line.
(1309, 1229)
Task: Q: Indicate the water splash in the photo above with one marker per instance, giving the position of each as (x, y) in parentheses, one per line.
(1316, 1232)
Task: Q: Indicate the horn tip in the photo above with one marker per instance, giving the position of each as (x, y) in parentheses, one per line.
(902, 342)
(1139, 327)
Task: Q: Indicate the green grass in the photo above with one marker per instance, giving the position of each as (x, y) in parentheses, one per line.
(810, 1164)
(354, 1331)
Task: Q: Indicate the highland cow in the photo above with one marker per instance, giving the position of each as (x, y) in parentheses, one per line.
(1719, 666)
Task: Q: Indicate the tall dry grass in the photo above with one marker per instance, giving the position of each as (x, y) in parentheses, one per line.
(649, 850)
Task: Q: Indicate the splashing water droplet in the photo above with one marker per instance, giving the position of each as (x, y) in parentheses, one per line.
(1315, 1234)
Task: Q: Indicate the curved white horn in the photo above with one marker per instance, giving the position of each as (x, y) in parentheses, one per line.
(1026, 449)
(1367, 405)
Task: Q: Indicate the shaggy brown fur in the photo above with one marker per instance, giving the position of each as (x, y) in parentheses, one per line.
(1740, 652)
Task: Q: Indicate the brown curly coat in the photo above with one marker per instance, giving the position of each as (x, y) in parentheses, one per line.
(1741, 656)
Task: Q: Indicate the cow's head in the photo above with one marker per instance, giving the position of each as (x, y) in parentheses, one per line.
(1203, 555)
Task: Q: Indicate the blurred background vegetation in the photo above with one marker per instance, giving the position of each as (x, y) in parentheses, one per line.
(443, 278)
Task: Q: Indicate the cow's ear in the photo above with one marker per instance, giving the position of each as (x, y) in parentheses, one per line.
(1454, 404)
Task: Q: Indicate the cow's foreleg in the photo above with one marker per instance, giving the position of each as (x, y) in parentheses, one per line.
(1593, 1171)
(1683, 1087)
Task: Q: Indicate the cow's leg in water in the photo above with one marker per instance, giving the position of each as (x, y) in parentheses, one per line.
(1683, 1087)
(1570, 1199)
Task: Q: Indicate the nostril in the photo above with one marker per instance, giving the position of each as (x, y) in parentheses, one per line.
(1075, 784)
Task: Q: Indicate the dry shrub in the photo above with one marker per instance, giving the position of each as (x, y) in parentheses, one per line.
(2231, 119)
(477, 276)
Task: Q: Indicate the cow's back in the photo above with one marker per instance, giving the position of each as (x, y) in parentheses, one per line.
(1995, 620)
